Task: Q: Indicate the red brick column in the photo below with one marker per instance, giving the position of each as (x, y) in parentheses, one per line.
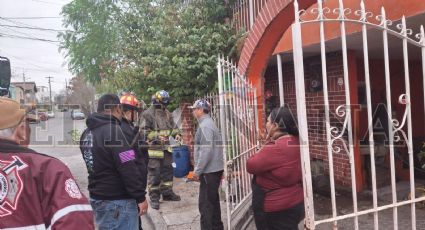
(271, 23)
(188, 127)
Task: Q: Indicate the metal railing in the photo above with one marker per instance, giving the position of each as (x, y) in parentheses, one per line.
(238, 121)
(245, 12)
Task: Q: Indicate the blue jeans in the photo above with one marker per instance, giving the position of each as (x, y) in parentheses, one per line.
(116, 214)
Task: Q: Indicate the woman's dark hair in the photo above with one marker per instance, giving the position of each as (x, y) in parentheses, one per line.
(285, 121)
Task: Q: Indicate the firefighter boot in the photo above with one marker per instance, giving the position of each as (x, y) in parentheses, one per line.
(154, 200)
(155, 203)
(170, 196)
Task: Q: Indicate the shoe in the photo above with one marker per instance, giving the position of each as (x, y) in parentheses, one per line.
(171, 197)
(155, 204)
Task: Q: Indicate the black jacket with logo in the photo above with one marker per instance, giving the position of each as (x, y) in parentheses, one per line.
(111, 162)
(137, 142)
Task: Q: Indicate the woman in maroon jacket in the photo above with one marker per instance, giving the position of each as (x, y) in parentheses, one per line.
(278, 200)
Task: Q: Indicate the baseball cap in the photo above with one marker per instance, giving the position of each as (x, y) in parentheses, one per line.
(11, 113)
(202, 104)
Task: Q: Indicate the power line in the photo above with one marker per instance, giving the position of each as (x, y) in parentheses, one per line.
(28, 38)
(39, 68)
(22, 33)
(18, 23)
(52, 3)
(29, 18)
(15, 31)
(33, 28)
(21, 25)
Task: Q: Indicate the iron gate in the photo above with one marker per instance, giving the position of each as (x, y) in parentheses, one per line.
(399, 129)
(237, 113)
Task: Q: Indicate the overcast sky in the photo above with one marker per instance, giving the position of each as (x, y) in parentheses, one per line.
(38, 59)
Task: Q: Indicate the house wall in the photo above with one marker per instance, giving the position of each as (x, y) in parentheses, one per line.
(315, 108)
(397, 88)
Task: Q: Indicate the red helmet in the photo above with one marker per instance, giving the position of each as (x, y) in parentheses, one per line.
(129, 100)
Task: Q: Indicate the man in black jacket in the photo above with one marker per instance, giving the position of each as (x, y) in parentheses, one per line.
(116, 184)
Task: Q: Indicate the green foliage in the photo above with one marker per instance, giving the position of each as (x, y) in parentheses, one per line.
(144, 46)
(75, 136)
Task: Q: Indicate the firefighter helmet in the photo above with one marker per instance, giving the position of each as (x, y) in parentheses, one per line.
(161, 97)
(130, 101)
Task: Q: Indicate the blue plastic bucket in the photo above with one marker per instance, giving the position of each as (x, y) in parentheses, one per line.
(181, 159)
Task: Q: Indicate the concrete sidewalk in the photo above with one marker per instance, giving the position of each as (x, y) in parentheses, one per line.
(180, 215)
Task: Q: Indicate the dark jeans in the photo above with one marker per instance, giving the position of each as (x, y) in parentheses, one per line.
(283, 220)
(209, 201)
(258, 195)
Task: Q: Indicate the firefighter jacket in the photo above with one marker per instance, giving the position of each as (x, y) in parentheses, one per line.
(158, 122)
(39, 192)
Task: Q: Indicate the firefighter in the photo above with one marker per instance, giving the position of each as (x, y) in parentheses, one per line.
(158, 125)
(131, 108)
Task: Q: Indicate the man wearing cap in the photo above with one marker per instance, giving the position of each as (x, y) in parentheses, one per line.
(209, 166)
(36, 191)
(116, 184)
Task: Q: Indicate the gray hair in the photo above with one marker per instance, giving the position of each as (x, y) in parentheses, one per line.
(7, 133)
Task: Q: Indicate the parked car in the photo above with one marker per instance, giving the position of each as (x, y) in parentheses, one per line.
(43, 115)
(50, 114)
(32, 117)
(76, 114)
(64, 110)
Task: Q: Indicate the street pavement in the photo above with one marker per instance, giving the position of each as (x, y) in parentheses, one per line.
(53, 138)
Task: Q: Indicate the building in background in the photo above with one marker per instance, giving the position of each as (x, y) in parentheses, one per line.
(29, 92)
(43, 96)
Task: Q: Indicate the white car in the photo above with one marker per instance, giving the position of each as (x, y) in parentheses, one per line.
(51, 114)
(77, 114)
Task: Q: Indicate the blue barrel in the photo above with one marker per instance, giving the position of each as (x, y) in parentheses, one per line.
(181, 159)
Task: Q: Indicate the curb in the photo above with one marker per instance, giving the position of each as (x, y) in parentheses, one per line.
(153, 220)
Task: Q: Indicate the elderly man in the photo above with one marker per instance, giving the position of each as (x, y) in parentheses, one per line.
(209, 166)
(36, 191)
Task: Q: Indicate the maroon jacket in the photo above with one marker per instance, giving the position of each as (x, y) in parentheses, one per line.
(39, 192)
(277, 166)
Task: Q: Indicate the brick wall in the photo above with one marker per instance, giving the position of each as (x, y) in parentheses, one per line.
(315, 107)
(187, 127)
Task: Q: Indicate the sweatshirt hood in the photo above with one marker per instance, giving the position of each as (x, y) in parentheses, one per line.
(98, 119)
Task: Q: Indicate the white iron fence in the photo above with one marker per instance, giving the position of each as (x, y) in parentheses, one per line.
(235, 110)
(399, 130)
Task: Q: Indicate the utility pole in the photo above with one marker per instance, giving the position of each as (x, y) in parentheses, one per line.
(50, 91)
(66, 91)
(25, 94)
(66, 101)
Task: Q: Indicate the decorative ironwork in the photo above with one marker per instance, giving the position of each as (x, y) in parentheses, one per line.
(337, 133)
(397, 127)
(362, 16)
